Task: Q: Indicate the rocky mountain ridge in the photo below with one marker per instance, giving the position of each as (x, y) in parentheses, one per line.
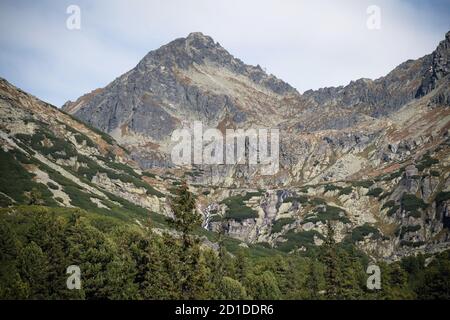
(372, 157)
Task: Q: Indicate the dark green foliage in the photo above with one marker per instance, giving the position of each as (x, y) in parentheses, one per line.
(360, 232)
(299, 199)
(442, 196)
(392, 207)
(17, 182)
(426, 162)
(278, 224)
(412, 204)
(366, 184)
(123, 261)
(317, 201)
(45, 142)
(148, 174)
(82, 138)
(128, 175)
(53, 186)
(414, 244)
(405, 229)
(436, 279)
(435, 173)
(388, 204)
(345, 191)
(331, 187)
(375, 192)
(394, 175)
(236, 208)
(327, 213)
(330, 260)
(296, 240)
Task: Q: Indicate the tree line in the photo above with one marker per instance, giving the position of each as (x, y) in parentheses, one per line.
(126, 261)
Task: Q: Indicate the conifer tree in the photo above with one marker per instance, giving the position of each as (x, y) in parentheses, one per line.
(330, 259)
(185, 220)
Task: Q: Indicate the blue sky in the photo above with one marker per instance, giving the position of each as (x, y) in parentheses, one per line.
(310, 44)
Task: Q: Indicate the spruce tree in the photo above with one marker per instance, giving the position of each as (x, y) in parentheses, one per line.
(185, 220)
(330, 259)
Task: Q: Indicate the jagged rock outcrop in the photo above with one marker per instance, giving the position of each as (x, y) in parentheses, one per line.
(325, 134)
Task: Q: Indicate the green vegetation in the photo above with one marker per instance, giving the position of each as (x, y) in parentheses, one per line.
(394, 175)
(82, 138)
(53, 186)
(442, 196)
(123, 261)
(405, 229)
(317, 201)
(375, 192)
(128, 175)
(44, 141)
(331, 187)
(366, 184)
(299, 199)
(103, 135)
(393, 207)
(360, 232)
(149, 174)
(280, 223)
(426, 162)
(17, 183)
(435, 173)
(327, 213)
(345, 191)
(236, 208)
(410, 203)
(295, 240)
(414, 244)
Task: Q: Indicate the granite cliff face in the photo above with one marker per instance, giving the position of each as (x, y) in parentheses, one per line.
(372, 156)
(188, 79)
(194, 78)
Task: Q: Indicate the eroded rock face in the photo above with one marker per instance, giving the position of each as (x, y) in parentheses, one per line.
(365, 131)
(328, 134)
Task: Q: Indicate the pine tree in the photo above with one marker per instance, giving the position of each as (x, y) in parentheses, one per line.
(185, 220)
(313, 280)
(330, 259)
(33, 269)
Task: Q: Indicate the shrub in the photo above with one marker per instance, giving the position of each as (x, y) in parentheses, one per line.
(346, 191)
(442, 196)
(412, 204)
(298, 239)
(435, 173)
(237, 210)
(330, 213)
(331, 187)
(299, 199)
(426, 162)
(16, 181)
(366, 184)
(280, 223)
(53, 186)
(317, 201)
(360, 232)
(375, 192)
(406, 229)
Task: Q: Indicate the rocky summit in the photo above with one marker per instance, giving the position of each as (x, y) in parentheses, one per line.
(372, 156)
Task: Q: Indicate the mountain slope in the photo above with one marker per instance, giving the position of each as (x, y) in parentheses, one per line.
(52, 159)
(373, 157)
(194, 78)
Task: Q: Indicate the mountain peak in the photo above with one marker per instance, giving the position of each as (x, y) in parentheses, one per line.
(199, 36)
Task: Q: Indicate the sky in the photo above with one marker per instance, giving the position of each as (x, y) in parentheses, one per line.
(309, 44)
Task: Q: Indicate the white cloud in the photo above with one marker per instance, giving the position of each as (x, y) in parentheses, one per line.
(309, 44)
